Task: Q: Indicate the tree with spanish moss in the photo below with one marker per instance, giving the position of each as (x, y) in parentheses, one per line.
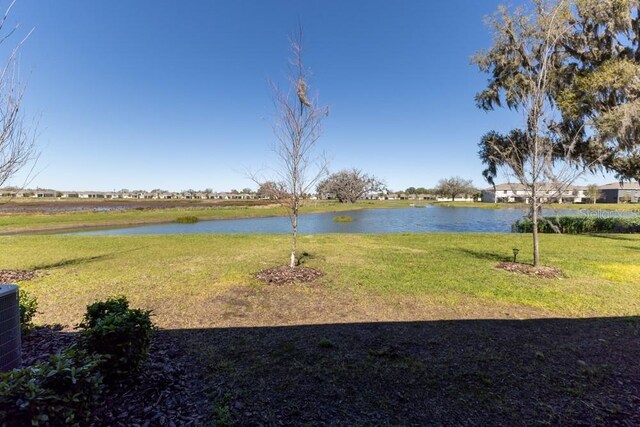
(524, 64)
(297, 130)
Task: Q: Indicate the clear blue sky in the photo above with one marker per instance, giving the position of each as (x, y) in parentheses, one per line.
(147, 94)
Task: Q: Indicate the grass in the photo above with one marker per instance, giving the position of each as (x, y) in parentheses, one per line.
(393, 331)
(187, 219)
(343, 218)
(192, 280)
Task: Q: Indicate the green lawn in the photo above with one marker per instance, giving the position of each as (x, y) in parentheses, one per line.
(416, 328)
(188, 279)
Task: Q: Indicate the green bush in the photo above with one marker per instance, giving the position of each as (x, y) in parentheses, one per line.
(581, 224)
(61, 391)
(187, 219)
(28, 305)
(121, 334)
(101, 309)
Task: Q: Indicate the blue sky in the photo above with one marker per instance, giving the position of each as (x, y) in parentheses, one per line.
(175, 95)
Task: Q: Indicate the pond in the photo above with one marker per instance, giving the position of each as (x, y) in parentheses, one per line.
(404, 220)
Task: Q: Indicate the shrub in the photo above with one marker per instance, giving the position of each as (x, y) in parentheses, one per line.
(342, 219)
(28, 305)
(581, 224)
(61, 391)
(101, 309)
(121, 334)
(187, 219)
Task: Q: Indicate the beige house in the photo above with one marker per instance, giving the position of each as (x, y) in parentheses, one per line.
(518, 193)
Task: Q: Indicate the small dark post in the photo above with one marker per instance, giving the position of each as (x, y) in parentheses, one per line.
(515, 253)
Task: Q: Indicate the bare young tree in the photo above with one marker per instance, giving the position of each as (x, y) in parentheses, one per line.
(297, 129)
(17, 138)
(524, 62)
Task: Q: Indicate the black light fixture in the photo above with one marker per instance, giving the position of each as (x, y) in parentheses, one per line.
(515, 253)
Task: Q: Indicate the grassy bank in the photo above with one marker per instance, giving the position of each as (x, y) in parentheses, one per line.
(187, 279)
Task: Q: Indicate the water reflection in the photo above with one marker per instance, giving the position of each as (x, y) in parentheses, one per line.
(404, 220)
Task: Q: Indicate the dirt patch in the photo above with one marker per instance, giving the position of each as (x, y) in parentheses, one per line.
(13, 276)
(542, 271)
(284, 275)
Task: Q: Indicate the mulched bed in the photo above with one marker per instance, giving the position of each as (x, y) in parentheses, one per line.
(13, 276)
(542, 271)
(167, 391)
(284, 275)
(471, 372)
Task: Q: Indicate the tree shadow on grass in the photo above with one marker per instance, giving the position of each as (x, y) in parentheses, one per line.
(69, 262)
(81, 260)
(484, 255)
(493, 372)
(614, 237)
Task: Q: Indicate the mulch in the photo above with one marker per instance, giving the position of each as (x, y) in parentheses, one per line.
(166, 391)
(285, 275)
(541, 271)
(470, 372)
(13, 276)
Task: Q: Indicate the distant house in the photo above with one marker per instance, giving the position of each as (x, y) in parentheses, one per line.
(628, 192)
(518, 193)
(44, 194)
(458, 198)
(91, 195)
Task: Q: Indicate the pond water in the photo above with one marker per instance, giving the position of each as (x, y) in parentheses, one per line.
(403, 220)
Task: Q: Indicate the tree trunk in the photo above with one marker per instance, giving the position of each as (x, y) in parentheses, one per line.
(294, 240)
(534, 223)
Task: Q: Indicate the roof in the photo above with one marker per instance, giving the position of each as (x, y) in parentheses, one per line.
(543, 187)
(618, 186)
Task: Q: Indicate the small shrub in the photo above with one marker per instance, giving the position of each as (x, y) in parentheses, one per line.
(61, 391)
(345, 218)
(101, 309)
(187, 220)
(121, 334)
(28, 305)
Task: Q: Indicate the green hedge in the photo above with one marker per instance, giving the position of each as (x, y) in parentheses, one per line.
(581, 224)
